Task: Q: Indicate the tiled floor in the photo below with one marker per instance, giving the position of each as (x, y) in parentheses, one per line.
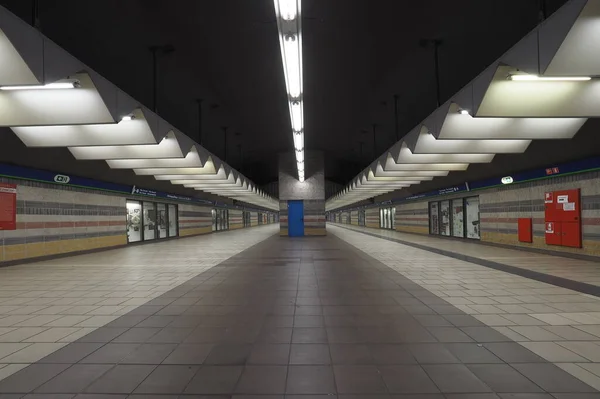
(46, 305)
(559, 325)
(302, 318)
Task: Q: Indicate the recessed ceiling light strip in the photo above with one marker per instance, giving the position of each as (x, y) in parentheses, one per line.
(289, 17)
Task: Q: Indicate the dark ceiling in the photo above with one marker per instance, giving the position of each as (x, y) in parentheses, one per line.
(357, 55)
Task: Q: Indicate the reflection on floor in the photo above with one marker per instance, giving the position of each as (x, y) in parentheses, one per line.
(45, 305)
(306, 317)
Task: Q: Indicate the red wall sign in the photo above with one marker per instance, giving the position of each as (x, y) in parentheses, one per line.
(8, 206)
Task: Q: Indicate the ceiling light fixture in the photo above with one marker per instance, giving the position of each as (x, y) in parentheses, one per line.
(53, 86)
(298, 141)
(536, 78)
(127, 118)
(289, 18)
(463, 112)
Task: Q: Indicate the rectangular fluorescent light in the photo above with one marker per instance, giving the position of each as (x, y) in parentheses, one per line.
(291, 61)
(534, 78)
(55, 85)
(298, 141)
(300, 166)
(288, 9)
(300, 156)
(297, 122)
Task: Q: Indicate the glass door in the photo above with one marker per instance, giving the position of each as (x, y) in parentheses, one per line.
(149, 221)
(161, 220)
(173, 221)
(472, 212)
(445, 218)
(458, 223)
(134, 221)
(434, 221)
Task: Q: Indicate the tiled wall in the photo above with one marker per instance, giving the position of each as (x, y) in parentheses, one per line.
(372, 217)
(194, 220)
(52, 221)
(412, 218)
(501, 207)
(354, 218)
(236, 219)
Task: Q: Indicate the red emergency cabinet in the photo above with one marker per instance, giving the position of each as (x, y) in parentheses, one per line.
(525, 229)
(563, 218)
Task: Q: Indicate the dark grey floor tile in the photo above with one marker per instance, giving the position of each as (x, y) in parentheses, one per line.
(463, 320)
(359, 379)
(307, 310)
(72, 353)
(279, 321)
(449, 334)
(310, 380)
(103, 334)
(262, 380)
(446, 310)
(99, 396)
(485, 334)
(11, 395)
(551, 378)
(351, 354)
(171, 335)
(455, 378)
(503, 378)
(121, 379)
(110, 353)
(345, 335)
(419, 396)
(512, 352)
(215, 380)
(309, 335)
(418, 309)
(75, 379)
(205, 335)
(127, 321)
(310, 354)
(185, 322)
(149, 354)
(432, 321)
(275, 335)
(533, 396)
(188, 354)
(44, 396)
(31, 377)
(569, 396)
(407, 379)
(309, 321)
(228, 354)
(472, 396)
(472, 353)
(136, 335)
(392, 354)
(269, 354)
(167, 379)
(145, 310)
(432, 354)
(156, 321)
(340, 321)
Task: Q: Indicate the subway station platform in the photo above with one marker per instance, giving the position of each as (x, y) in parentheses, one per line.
(239, 315)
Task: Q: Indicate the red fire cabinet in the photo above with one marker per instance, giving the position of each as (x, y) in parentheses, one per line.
(525, 230)
(563, 218)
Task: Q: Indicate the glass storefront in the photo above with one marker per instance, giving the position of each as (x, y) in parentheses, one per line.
(361, 217)
(386, 218)
(148, 221)
(455, 218)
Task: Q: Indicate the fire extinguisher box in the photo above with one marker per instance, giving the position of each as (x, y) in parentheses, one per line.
(563, 218)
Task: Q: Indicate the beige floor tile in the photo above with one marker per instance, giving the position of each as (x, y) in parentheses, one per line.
(581, 373)
(553, 319)
(513, 308)
(53, 334)
(493, 320)
(55, 309)
(582, 318)
(21, 334)
(105, 310)
(13, 320)
(97, 321)
(506, 331)
(590, 329)
(79, 310)
(523, 320)
(553, 352)
(38, 321)
(82, 332)
(10, 369)
(67, 321)
(570, 333)
(32, 353)
(593, 368)
(539, 308)
(10, 348)
(589, 350)
(535, 333)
